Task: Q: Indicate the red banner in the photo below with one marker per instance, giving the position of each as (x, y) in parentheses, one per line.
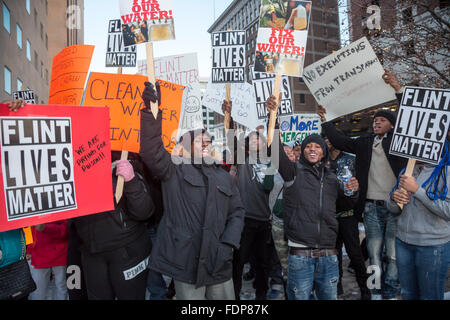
(56, 164)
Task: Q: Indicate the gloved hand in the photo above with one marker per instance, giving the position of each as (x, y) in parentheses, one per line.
(125, 169)
(150, 95)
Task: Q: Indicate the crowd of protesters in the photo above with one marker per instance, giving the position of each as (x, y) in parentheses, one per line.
(194, 222)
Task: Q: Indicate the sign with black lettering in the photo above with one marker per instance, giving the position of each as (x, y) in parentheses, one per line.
(117, 55)
(228, 50)
(26, 95)
(422, 124)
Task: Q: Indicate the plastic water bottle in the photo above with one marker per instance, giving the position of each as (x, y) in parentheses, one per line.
(346, 175)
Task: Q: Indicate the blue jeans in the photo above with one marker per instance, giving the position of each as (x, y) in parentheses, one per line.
(156, 285)
(304, 273)
(422, 270)
(381, 228)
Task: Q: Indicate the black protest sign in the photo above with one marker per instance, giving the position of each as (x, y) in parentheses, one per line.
(27, 96)
(422, 124)
(117, 55)
(263, 85)
(228, 49)
(44, 181)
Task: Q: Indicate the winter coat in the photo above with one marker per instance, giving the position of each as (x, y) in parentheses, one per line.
(49, 248)
(203, 214)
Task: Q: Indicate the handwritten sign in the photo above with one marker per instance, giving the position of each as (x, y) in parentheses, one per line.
(282, 36)
(69, 72)
(348, 80)
(191, 110)
(26, 95)
(117, 55)
(122, 93)
(228, 57)
(422, 124)
(56, 161)
(299, 126)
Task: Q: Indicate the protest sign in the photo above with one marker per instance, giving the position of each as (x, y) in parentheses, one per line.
(348, 80)
(180, 69)
(146, 21)
(122, 93)
(228, 57)
(263, 84)
(26, 95)
(69, 72)
(56, 164)
(299, 126)
(243, 99)
(422, 124)
(282, 36)
(117, 55)
(191, 109)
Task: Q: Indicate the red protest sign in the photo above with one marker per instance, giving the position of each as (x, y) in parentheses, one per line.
(56, 164)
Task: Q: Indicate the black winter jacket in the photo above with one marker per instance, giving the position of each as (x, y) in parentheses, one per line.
(203, 214)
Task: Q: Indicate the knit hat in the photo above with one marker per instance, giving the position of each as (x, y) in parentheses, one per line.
(386, 114)
(316, 139)
(188, 138)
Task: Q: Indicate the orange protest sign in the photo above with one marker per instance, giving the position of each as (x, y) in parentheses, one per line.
(28, 235)
(69, 71)
(122, 94)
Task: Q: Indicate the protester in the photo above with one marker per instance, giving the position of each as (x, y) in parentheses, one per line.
(297, 150)
(423, 234)
(309, 213)
(254, 186)
(203, 214)
(348, 224)
(76, 286)
(49, 258)
(115, 244)
(376, 171)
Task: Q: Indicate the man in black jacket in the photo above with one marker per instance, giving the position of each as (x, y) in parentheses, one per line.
(309, 213)
(203, 214)
(377, 172)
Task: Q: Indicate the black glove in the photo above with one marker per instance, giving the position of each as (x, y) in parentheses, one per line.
(150, 95)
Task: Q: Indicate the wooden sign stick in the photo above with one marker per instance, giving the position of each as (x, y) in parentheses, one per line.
(151, 74)
(408, 172)
(273, 114)
(227, 115)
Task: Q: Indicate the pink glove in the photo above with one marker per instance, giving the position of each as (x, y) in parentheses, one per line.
(125, 169)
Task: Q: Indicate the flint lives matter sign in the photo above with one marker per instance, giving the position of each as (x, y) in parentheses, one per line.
(228, 50)
(44, 180)
(117, 55)
(422, 124)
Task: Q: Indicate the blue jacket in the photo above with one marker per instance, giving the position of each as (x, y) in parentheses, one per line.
(12, 246)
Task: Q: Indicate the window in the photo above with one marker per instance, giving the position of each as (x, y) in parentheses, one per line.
(42, 70)
(35, 18)
(42, 32)
(46, 41)
(27, 6)
(301, 80)
(302, 98)
(19, 36)
(28, 50)
(6, 18)
(7, 77)
(46, 76)
(36, 60)
(19, 84)
(325, 31)
(407, 16)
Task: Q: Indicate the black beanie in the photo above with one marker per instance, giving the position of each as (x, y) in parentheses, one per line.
(187, 139)
(388, 114)
(316, 139)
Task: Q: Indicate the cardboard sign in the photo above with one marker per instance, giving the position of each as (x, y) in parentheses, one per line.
(228, 57)
(122, 93)
(299, 126)
(263, 85)
(69, 72)
(348, 80)
(191, 110)
(117, 55)
(243, 99)
(181, 69)
(282, 36)
(146, 21)
(26, 95)
(56, 164)
(422, 124)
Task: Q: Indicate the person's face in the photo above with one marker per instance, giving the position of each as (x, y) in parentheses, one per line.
(297, 152)
(202, 146)
(289, 153)
(292, 4)
(313, 153)
(381, 125)
(329, 145)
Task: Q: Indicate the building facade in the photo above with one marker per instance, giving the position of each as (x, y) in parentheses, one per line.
(29, 39)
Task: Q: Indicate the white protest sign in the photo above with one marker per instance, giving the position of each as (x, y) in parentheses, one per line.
(191, 109)
(299, 126)
(117, 55)
(263, 85)
(348, 80)
(243, 99)
(228, 57)
(181, 69)
(282, 37)
(422, 124)
(26, 95)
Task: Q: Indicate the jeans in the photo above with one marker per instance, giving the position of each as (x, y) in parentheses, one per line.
(156, 285)
(305, 273)
(381, 228)
(42, 279)
(422, 270)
